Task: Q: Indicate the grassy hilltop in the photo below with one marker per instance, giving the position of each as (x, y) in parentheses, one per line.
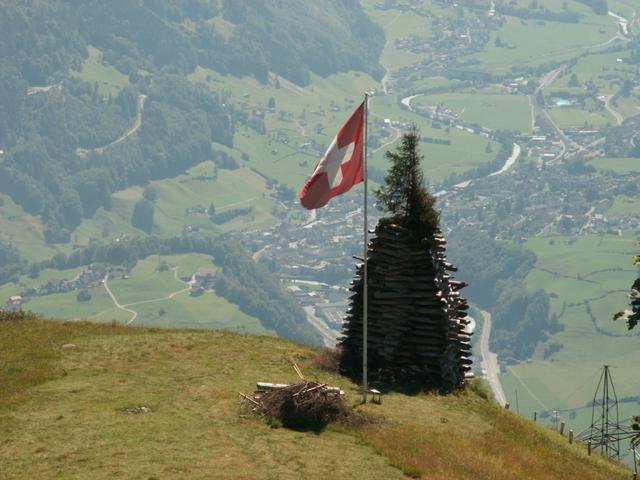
(60, 418)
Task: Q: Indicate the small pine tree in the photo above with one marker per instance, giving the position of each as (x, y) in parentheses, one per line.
(404, 194)
(211, 211)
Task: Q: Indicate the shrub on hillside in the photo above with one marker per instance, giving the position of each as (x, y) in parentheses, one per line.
(327, 360)
(83, 296)
(17, 316)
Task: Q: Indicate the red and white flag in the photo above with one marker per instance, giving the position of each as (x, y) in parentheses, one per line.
(340, 168)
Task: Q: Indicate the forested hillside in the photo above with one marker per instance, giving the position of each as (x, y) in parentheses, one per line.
(55, 128)
(496, 272)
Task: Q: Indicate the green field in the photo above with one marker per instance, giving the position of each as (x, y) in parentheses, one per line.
(147, 282)
(25, 232)
(65, 306)
(534, 42)
(616, 164)
(624, 206)
(572, 117)
(397, 26)
(110, 81)
(603, 69)
(495, 111)
(232, 189)
(206, 312)
(595, 272)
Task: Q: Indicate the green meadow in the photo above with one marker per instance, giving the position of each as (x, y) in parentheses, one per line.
(109, 80)
(619, 165)
(65, 306)
(241, 188)
(572, 117)
(25, 232)
(532, 42)
(396, 28)
(159, 298)
(497, 111)
(594, 274)
(624, 205)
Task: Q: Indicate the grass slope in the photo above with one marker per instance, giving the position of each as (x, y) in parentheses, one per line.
(59, 416)
(497, 110)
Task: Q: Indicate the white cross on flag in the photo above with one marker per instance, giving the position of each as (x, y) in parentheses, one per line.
(341, 166)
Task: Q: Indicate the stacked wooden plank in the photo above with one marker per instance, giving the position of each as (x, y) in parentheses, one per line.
(416, 317)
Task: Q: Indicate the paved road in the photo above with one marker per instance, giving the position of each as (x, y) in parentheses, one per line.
(83, 152)
(393, 140)
(407, 100)
(515, 154)
(328, 336)
(547, 80)
(607, 104)
(489, 361)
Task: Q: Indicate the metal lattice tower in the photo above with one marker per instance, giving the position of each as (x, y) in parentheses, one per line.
(605, 431)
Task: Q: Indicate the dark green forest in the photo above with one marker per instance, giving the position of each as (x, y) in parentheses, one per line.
(495, 272)
(52, 167)
(601, 7)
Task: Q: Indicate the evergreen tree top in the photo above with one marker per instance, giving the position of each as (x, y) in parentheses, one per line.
(404, 194)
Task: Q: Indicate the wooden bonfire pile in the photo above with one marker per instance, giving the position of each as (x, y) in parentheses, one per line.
(417, 321)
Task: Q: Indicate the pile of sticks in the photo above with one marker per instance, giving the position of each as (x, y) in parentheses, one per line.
(417, 322)
(302, 405)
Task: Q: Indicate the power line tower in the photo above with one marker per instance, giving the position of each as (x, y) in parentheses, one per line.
(605, 431)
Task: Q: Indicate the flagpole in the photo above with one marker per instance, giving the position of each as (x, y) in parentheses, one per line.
(365, 289)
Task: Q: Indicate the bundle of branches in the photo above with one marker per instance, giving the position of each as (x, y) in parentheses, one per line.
(305, 405)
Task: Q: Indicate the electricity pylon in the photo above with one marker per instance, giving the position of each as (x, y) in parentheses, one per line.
(605, 431)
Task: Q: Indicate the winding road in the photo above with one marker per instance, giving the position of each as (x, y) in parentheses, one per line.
(407, 101)
(515, 154)
(83, 152)
(607, 104)
(393, 140)
(117, 304)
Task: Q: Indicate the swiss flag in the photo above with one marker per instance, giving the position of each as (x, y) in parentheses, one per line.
(340, 168)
